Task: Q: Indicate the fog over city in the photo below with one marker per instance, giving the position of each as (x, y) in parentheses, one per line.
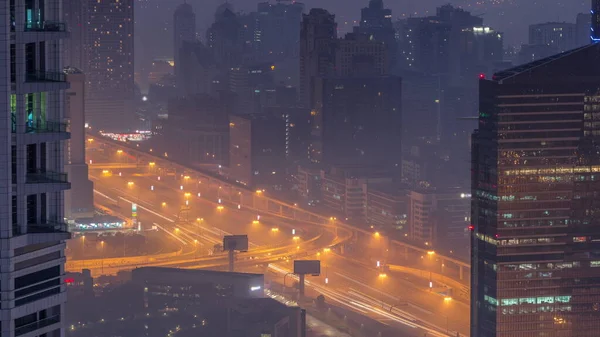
(278, 168)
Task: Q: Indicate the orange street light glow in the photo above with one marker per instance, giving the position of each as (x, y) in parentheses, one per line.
(326, 250)
(274, 229)
(382, 275)
(220, 208)
(255, 222)
(431, 252)
(119, 151)
(377, 234)
(187, 194)
(130, 183)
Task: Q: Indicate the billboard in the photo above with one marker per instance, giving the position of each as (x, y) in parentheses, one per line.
(235, 242)
(312, 267)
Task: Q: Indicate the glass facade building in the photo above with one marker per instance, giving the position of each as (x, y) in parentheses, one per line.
(535, 200)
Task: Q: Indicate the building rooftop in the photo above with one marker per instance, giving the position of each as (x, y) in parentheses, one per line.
(511, 72)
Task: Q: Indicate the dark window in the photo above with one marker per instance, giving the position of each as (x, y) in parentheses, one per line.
(27, 319)
(12, 16)
(37, 277)
(13, 158)
(38, 296)
(42, 47)
(32, 209)
(41, 286)
(31, 158)
(37, 260)
(43, 206)
(13, 63)
(30, 67)
(15, 217)
(35, 247)
(43, 155)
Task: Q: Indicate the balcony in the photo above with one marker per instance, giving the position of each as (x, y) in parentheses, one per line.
(50, 227)
(46, 177)
(46, 127)
(45, 76)
(45, 26)
(37, 325)
(50, 231)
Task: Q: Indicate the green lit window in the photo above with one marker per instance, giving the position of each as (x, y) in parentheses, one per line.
(563, 299)
(491, 300)
(527, 300)
(509, 301)
(545, 299)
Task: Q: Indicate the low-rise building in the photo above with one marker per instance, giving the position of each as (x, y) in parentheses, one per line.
(387, 208)
(439, 218)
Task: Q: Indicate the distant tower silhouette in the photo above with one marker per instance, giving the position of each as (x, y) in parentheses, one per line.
(184, 21)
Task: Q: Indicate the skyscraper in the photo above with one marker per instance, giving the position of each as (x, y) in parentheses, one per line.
(376, 22)
(184, 29)
(279, 28)
(535, 227)
(560, 36)
(32, 229)
(79, 200)
(318, 35)
(109, 73)
(357, 121)
(76, 15)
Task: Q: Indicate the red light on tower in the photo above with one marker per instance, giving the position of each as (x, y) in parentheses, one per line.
(482, 76)
(471, 227)
(69, 280)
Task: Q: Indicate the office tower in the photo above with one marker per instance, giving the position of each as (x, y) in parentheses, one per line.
(201, 73)
(76, 16)
(223, 38)
(79, 200)
(560, 36)
(582, 28)
(257, 150)
(358, 55)
(376, 23)
(357, 121)
(109, 74)
(279, 28)
(535, 230)
(32, 182)
(426, 43)
(595, 29)
(197, 130)
(318, 35)
(184, 29)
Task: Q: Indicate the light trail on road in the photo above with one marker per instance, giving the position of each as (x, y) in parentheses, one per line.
(365, 305)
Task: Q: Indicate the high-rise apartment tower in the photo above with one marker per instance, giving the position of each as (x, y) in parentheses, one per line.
(32, 228)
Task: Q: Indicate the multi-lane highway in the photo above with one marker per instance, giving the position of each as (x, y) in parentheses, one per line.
(354, 284)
